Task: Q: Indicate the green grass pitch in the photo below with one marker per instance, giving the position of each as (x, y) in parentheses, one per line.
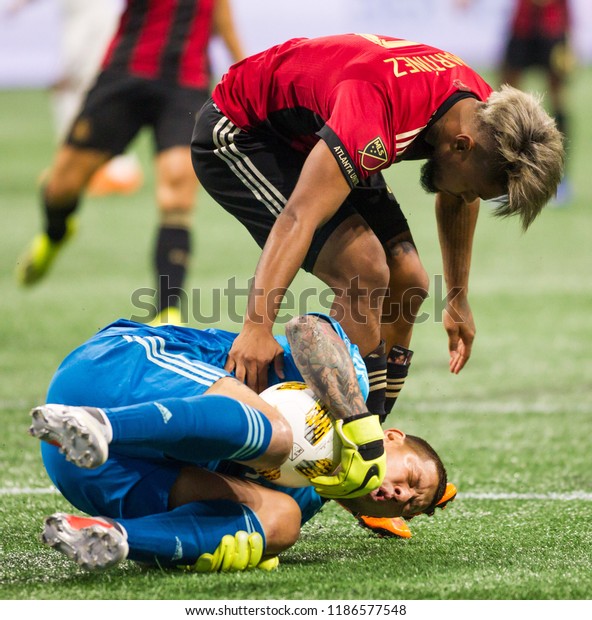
(514, 428)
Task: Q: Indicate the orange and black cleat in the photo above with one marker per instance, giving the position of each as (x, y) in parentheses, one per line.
(449, 495)
(386, 527)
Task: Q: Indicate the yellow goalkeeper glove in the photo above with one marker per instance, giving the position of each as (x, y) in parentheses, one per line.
(240, 552)
(363, 461)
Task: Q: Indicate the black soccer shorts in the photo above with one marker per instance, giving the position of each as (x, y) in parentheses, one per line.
(253, 173)
(536, 51)
(119, 105)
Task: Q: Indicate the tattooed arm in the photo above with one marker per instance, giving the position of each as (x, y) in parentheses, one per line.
(326, 366)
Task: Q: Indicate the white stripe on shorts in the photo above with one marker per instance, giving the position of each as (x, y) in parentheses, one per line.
(240, 164)
(197, 371)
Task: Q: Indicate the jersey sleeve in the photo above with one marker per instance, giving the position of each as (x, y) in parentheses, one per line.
(359, 130)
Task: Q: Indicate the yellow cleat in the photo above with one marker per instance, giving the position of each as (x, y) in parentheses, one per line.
(40, 255)
(240, 552)
(167, 316)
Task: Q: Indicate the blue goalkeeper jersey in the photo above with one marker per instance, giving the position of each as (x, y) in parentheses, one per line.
(128, 363)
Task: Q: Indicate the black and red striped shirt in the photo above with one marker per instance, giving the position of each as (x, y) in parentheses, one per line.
(547, 18)
(165, 40)
(368, 97)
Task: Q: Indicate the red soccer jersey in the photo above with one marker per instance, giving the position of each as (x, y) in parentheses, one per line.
(546, 18)
(368, 97)
(164, 39)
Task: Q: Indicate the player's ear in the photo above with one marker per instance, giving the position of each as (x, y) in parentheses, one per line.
(394, 434)
(464, 142)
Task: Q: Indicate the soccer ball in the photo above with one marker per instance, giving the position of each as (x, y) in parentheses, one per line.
(316, 447)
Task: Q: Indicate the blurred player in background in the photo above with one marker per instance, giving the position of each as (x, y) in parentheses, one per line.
(539, 37)
(173, 453)
(156, 73)
(293, 143)
(86, 29)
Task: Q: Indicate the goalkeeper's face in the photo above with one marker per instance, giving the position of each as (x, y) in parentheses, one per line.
(409, 486)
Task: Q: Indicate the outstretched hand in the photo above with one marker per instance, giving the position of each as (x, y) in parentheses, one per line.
(459, 324)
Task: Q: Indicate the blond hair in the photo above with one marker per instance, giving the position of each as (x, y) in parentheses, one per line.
(530, 151)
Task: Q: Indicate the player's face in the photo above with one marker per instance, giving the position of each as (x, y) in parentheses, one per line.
(452, 175)
(408, 487)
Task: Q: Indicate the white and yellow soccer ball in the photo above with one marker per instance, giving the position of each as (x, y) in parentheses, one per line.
(316, 447)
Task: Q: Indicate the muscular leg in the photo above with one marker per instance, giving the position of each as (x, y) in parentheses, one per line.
(408, 287)
(278, 513)
(352, 262)
(65, 183)
(176, 186)
(212, 426)
(202, 506)
(71, 171)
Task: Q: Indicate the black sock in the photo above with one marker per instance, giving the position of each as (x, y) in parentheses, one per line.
(397, 368)
(56, 216)
(173, 248)
(376, 366)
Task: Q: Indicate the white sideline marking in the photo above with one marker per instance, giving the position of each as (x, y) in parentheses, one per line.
(558, 497)
(28, 491)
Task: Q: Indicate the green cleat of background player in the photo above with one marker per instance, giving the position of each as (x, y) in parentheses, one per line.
(40, 255)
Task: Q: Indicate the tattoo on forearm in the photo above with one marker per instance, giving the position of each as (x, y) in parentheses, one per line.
(325, 364)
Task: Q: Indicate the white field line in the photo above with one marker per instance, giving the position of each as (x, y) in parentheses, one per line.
(557, 497)
(28, 490)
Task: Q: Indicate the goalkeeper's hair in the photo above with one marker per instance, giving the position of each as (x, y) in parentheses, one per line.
(528, 151)
(425, 450)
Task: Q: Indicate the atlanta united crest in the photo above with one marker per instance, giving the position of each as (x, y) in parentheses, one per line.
(374, 155)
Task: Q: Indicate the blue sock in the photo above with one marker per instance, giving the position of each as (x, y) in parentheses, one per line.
(196, 429)
(180, 536)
